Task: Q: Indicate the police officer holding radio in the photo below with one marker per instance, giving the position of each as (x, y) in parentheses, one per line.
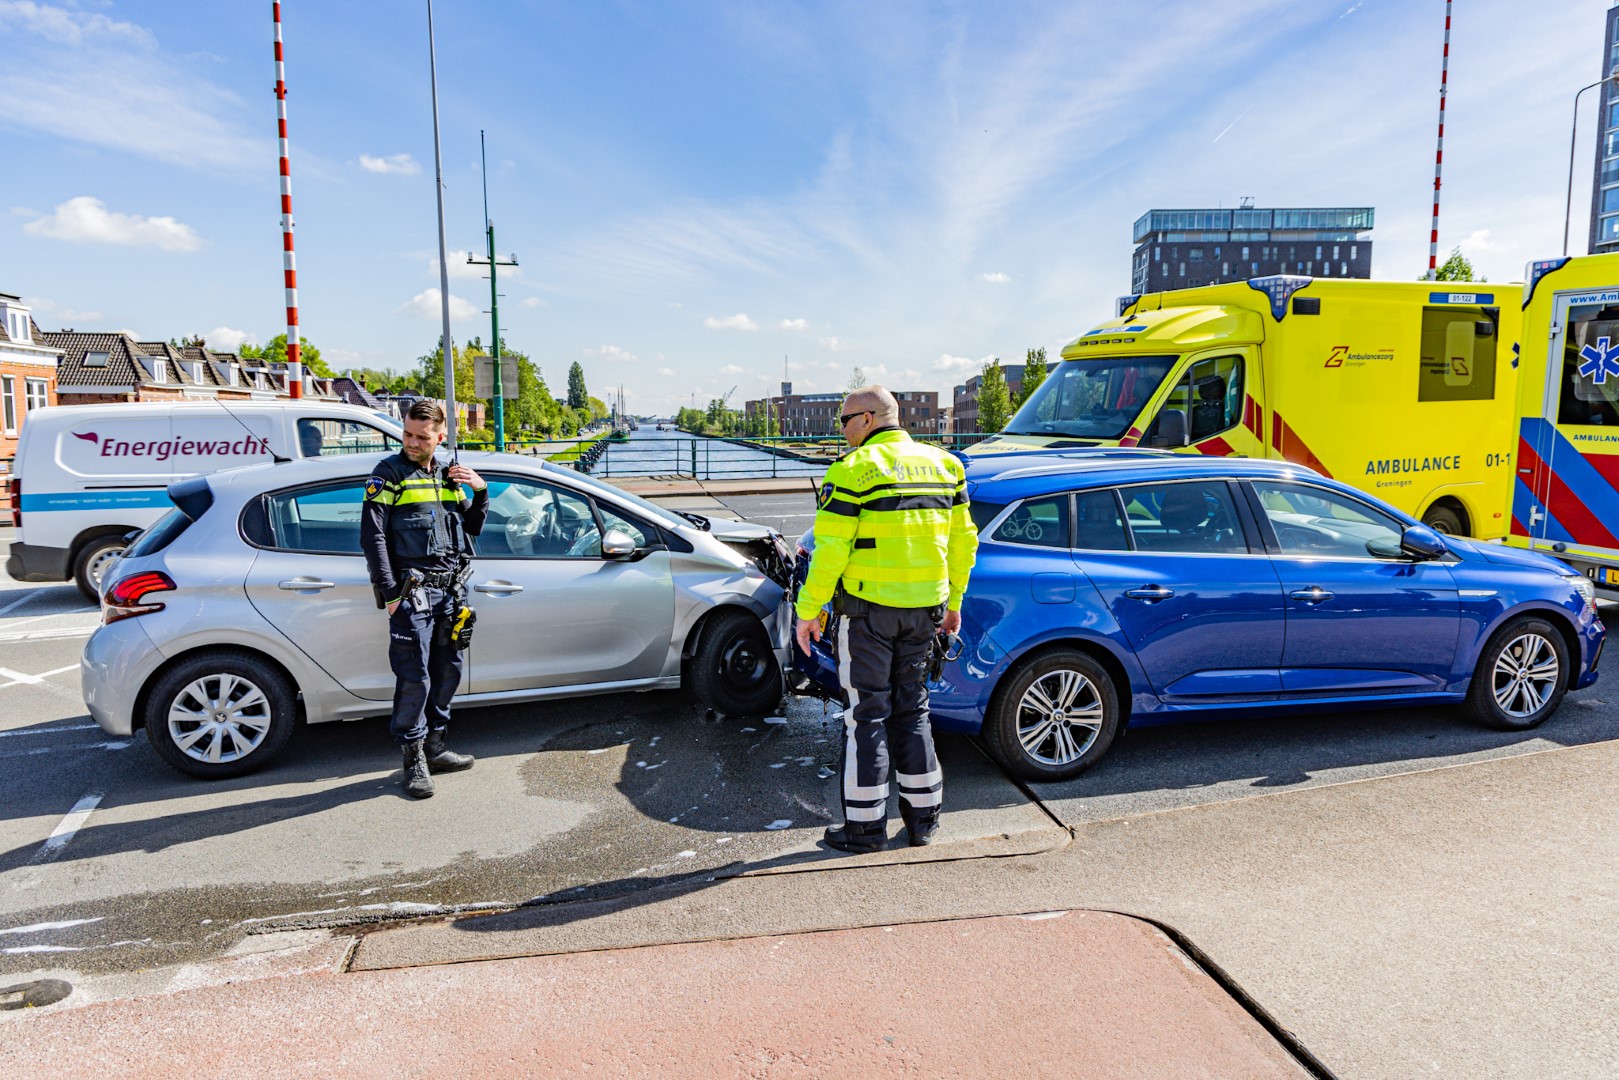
(416, 528)
(894, 546)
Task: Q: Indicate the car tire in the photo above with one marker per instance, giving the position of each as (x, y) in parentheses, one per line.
(90, 568)
(734, 671)
(1053, 718)
(1521, 676)
(1446, 519)
(254, 723)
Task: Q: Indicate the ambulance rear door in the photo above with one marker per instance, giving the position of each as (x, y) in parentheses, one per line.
(1570, 454)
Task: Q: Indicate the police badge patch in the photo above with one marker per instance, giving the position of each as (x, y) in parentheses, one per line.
(373, 487)
(826, 496)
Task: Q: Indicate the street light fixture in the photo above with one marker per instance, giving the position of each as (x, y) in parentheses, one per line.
(1568, 206)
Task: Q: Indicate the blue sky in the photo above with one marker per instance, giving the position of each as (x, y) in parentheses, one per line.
(696, 190)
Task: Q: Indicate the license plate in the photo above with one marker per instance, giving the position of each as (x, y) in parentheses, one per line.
(825, 615)
(1610, 576)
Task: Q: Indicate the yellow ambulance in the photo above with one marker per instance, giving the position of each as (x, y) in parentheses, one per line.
(1564, 498)
(1406, 390)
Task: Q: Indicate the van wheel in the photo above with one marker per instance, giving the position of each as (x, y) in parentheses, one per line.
(220, 714)
(95, 559)
(1444, 518)
(734, 670)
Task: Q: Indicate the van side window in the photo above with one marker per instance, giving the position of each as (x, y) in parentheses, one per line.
(1458, 354)
(327, 437)
(1590, 384)
(1211, 397)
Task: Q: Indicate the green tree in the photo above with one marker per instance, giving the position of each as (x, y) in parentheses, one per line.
(274, 351)
(1034, 373)
(1456, 268)
(994, 403)
(430, 371)
(597, 408)
(578, 397)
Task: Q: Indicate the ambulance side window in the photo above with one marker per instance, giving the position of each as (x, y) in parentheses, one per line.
(1458, 354)
(1210, 396)
(1590, 384)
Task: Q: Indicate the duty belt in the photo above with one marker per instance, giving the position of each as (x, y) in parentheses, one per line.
(438, 579)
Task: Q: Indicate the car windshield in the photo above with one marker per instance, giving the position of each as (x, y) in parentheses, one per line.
(1091, 399)
(651, 510)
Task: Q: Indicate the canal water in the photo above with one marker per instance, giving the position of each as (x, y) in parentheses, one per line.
(650, 452)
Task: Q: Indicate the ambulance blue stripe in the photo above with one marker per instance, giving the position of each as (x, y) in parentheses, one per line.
(1588, 485)
(94, 500)
(1523, 500)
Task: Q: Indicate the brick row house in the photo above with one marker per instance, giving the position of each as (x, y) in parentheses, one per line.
(102, 368)
(27, 371)
(817, 414)
(964, 414)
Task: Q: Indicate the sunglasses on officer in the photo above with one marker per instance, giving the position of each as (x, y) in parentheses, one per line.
(843, 421)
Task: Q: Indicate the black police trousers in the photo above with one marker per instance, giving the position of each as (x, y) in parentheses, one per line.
(882, 664)
(426, 674)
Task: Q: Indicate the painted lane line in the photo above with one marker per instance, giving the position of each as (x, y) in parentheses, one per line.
(48, 731)
(40, 927)
(76, 817)
(33, 680)
(122, 744)
(19, 602)
(49, 635)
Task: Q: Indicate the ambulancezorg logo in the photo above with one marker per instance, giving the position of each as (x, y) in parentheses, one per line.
(163, 449)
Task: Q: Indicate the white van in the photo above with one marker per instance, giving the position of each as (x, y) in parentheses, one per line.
(86, 476)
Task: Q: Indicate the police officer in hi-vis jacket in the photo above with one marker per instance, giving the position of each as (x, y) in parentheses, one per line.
(893, 548)
(416, 529)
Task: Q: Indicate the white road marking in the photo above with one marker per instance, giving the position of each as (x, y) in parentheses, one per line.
(18, 677)
(122, 744)
(19, 602)
(38, 927)
(48, 731)
(76, 817)
(49, 635)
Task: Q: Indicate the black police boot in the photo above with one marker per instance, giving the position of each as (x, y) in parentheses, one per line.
(921, 833)
(848, 838)
(418, 784)
(441, 758)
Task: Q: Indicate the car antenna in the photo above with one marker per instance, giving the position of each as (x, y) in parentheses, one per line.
(279, 459)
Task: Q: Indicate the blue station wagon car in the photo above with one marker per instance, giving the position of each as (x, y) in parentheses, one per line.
(1128, 587)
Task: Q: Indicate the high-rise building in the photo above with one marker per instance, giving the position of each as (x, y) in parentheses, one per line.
(1181, 249)
(1605, 181)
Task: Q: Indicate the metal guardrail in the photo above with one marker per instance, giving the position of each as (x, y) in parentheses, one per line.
(715, 457)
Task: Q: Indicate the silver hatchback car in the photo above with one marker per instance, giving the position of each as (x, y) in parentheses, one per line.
(247, 608)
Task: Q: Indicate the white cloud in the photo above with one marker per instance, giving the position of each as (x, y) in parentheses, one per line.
(612, 352)
(45, 307)
(224, 339)
(794, 324)
(730, 322)
(85, 219)
(834, 344)
(732, 369)
(533, 302)
(996, 278)
(65, 27)
(666, 372)
(959, 365)
(428, 305)
(1479, 241)
(396, 164)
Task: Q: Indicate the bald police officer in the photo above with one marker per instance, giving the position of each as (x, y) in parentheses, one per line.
(894, 545)
(416, 518)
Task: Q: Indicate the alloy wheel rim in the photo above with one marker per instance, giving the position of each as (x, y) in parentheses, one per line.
(1525, 675)
(99, 564)
(1059, 717)
(219, 718)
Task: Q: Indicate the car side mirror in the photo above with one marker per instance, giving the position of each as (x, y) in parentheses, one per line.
(1171, 429)
(1417, 542)
(616, 544)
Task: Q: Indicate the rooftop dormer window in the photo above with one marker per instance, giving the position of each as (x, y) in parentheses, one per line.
(95, 359)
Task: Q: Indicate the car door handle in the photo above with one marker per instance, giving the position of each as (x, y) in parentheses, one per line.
(1150, 593)
(299, 584)
(496, 587)
(1315, 594)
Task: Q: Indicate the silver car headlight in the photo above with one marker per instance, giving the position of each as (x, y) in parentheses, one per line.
(1583, 586)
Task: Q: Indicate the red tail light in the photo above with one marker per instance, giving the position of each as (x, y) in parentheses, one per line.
(14, 494)
(126, 598)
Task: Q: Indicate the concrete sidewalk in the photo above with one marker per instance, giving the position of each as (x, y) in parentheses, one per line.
(1064, 993)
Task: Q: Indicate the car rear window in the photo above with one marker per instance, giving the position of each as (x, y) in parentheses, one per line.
(159, 535)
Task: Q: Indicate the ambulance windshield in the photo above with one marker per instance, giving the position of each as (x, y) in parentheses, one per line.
(1091, 399)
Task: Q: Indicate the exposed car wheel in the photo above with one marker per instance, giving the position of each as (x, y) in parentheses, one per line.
(1054, 718)
(1521, 676)
(220, 714)
(734, 670)
(1444, 518)
(90, 568)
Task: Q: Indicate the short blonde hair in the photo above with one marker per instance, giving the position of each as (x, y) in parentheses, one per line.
(875, 400)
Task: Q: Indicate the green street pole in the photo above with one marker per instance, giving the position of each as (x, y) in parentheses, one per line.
(498, 401)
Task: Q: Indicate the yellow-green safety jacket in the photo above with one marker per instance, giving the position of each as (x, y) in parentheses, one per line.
(892, 523)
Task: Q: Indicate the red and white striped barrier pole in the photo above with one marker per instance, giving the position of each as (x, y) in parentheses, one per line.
(289, 268)
(1439, 153)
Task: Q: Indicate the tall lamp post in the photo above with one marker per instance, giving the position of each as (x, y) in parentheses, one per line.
(1568, 206)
